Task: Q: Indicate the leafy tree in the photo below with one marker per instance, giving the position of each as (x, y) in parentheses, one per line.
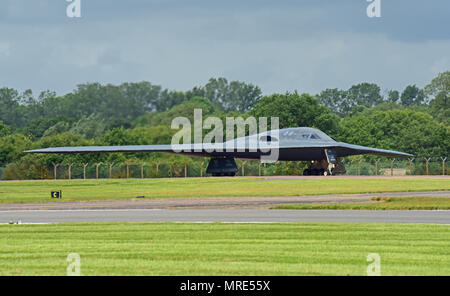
(393, 96)
(439, 88)
(404, 130)
(364, 94)
(40, 166)
(89, 127)
(4, 129)
(344, 102)
(440, 108)
(412, 95)
(185, 109)
(59, 128)
(118, 137)
(169, 99)
(11, 147)
(143, 93)
(10, 110)
(294, 110)
(335, 99)
(229, 96)
(440, 84)
(37, 128)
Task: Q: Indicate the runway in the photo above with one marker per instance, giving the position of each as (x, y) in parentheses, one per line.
(224, 215)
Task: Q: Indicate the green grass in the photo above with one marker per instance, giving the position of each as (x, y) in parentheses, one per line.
(224, 249)
(81, 190)
(379, 203)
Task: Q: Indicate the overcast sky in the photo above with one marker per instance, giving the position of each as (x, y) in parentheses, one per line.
(278, 45)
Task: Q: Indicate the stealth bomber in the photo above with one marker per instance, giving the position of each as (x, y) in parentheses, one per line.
(291, 144)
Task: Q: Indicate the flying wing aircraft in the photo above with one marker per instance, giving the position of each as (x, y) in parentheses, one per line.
(290, 144)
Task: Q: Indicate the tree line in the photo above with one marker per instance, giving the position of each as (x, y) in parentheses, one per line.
(413, 120)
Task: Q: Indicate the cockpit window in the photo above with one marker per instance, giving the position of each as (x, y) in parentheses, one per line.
(268, 139)
(298, 135)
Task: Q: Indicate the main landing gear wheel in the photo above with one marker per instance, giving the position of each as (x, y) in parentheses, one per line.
(315, 172)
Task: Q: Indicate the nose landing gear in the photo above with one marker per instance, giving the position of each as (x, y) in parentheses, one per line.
(326, 167)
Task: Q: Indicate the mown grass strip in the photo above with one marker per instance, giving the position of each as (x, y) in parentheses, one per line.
(224, 249)
(89, 190)
(378, 203)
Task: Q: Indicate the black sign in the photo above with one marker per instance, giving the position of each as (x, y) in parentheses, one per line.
(56, 194)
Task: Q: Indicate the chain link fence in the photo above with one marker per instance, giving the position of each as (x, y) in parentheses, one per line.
(354, 167)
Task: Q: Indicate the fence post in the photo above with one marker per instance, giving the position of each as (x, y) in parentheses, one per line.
(70, 171)
(185, 170)
(157, 169)
(259, 168)
(359, 167)
(142, 170)
(410, 166)
(243, 168)
(128, 170)
(443, 165)
(376, 167)
(84, 170)
(110, 169)
(392, 167)
(426, 164)
(201, 170)
(96, 170)
(55, 167)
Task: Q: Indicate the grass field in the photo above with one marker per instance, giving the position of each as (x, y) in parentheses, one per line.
(379, 203)
(225, 249)
(83, 190)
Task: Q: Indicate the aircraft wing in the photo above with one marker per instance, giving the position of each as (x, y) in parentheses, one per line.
(103, 149)
(304, 151)
(345, 149)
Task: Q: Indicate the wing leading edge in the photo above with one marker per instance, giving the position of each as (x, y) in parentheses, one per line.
(342, 149)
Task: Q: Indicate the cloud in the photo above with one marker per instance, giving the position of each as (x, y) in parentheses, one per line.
(280, 46)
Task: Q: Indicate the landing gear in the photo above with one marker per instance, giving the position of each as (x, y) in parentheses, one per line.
(222, 167)
(316, 172)
(223, 174)
(326, 167)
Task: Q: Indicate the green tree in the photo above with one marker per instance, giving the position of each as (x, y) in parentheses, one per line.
(10, 109)
(336, 100)
(412, 95)
(185, 109)
(294, 110)
(12, 147)
(89, 127)
(229, 96)
(364, 94)
(393, 96)
(342, 102)
(440, 84)
(38, 127)
(4, 129)
(403, 130)
(439, 88)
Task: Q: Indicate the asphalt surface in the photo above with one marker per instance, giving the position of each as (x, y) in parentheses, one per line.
(220, 215)
(214, 202)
